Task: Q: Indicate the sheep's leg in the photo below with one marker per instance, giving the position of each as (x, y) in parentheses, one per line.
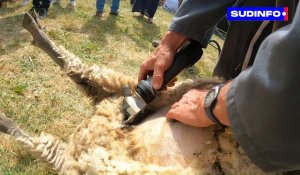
(94, 79)
(44, 147)
(41, 40)
(7, 126)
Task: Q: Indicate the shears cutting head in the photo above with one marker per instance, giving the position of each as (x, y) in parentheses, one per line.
(135, 105)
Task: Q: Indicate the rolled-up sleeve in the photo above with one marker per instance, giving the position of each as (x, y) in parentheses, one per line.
(263, 102)
(196, 19)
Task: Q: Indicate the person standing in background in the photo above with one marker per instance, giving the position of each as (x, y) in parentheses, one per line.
(114, 9)
(146, 7)
(72, 4)
(41, 7)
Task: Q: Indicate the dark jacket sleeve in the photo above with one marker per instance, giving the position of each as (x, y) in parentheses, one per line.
(264, 102)
(196, 19)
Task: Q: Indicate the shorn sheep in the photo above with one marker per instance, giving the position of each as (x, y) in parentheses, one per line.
(102, 145)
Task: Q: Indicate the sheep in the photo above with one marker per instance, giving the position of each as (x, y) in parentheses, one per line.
(102, 145)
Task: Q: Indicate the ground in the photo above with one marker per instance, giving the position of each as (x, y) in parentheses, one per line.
(35, 92)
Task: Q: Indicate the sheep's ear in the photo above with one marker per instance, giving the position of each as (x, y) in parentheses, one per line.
(6, 124)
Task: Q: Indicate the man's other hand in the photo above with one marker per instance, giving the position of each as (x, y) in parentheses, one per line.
(190, 109)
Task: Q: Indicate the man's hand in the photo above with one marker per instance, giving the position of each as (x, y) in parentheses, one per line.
(158, 62)
(190, 108)
(162, 58)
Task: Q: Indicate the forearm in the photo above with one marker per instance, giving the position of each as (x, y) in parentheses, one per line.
(196, 18)
(173, 40)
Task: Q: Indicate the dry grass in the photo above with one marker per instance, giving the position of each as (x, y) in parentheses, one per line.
(35, 92)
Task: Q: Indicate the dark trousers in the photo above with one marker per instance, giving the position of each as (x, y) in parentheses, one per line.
(297, 172)
(41, 3)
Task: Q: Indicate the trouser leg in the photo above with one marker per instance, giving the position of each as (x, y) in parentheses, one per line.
(36, 4)
(115, 6)
(46, 4)
(297, 172)
(100, 5)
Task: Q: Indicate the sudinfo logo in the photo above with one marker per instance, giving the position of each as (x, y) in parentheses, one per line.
(257, 13)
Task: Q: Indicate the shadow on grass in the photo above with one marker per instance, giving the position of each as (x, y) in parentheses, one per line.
(58, 10)
(147, 33)
(11, 35)
(98, 29)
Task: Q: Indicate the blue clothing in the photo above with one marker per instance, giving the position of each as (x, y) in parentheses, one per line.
(146, 7)
(114, 7)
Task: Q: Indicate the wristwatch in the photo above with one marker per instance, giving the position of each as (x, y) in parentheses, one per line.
(210, 102)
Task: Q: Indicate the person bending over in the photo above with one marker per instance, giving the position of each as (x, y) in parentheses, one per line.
(260, 101)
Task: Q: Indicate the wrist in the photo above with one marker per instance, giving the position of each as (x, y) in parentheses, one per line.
(172, 41)
(220, 109)
(205, 119)
(210, 101)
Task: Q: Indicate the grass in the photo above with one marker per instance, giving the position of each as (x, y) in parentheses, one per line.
(39, 97)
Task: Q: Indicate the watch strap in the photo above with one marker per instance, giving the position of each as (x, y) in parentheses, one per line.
(209, 110)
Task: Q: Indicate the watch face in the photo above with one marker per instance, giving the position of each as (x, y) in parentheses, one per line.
(210, 97)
